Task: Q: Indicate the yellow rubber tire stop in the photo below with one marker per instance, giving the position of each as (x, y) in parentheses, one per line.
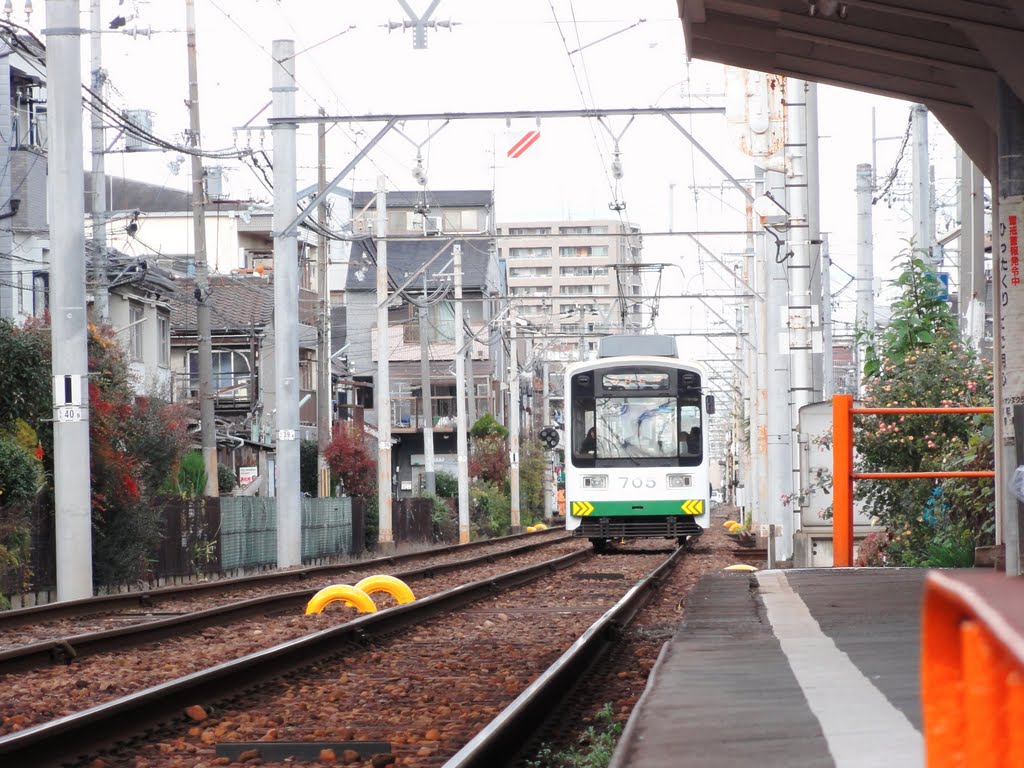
(397, 588)
(354, 596)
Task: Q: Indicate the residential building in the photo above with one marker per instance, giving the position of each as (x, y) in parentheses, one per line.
(242, 327)
(576, 280)
(422, 230)
(24, 233)
(139, 302)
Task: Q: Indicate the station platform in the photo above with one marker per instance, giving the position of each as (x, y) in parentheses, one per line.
(801, 668)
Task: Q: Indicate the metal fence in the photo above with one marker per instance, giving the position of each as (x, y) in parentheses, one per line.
(210, 537)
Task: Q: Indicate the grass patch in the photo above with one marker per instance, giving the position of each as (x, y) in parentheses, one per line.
(593, 749)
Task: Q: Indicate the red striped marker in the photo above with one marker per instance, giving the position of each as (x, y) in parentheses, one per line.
(524, 144)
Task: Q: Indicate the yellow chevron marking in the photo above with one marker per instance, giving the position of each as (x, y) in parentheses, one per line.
(582, 508)
(693, 507)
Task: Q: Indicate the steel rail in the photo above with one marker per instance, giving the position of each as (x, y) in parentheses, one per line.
(517, 723)
(150, 597)
(67, 738)
(64, 650)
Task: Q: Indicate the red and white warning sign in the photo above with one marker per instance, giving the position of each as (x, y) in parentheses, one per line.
(524, 144)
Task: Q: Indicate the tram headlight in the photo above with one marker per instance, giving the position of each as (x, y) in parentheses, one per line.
(679, 481)
(597, 482)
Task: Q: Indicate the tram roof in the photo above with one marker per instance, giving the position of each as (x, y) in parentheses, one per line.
(945, 54)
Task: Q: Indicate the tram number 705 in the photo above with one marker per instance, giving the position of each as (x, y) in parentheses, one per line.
(638, 482)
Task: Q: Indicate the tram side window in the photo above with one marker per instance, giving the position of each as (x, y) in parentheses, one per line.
(689, 425)
(584, 430)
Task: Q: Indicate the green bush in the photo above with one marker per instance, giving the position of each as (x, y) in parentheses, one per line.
(226, 481)
(593, 749)
(192, 475)
(920, 361)
(490, 511)
(445, 526)
(446, 486)
(20, 474)
(372, 522)
(309, 482)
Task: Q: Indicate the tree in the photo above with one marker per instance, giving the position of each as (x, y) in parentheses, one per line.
(533, 471)
(487, 426)
(135, 443)
(349, 457)
(919, 360)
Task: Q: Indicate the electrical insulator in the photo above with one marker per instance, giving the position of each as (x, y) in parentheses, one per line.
(617, 167)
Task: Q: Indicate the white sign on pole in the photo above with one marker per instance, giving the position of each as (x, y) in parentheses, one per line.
(68, 413)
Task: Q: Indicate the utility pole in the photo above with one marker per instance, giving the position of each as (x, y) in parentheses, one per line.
(779, 421)
(101, 295)
(202, 293)
(69, 357)
(924, 229)
(763, 506)
(798, 267)
(550, 469)
(462, 441)
(828, 384)
(513, 419)
(8, 292)
(382, 389)
(323, 369)
(286, 310)
(425, 397)
(972, 249)
(865, 318)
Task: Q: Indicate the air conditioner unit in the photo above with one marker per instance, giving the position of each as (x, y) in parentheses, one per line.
(431, 225)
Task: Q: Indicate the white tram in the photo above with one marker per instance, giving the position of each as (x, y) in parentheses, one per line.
(636, 453)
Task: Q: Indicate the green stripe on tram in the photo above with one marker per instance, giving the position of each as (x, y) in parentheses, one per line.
(626, 508)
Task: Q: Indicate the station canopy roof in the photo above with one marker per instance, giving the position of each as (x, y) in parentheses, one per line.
(945, 54)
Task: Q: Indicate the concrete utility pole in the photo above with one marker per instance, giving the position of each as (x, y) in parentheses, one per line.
(828, 384)
(101, 295)
(549, 495)
(202, 292)
(69, 323)
(779, 413)
(461, 437)
(513, 419)
(924, 228)
(865, 320)
(8, 289)
(1008, 307)
(798, 267)
(972, 249)
(426, 407)
(762, 509)
(323, 352)
(382, 387)
(815, 255)
(286, 311)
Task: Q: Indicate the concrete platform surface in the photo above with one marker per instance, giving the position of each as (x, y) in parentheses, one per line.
(815, 668)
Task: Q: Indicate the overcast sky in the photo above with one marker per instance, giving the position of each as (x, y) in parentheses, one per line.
(498, 56)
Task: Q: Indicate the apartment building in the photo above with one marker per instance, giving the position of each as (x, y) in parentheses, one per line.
(575, 281)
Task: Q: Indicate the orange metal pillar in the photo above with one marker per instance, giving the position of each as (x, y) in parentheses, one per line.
(842, 479)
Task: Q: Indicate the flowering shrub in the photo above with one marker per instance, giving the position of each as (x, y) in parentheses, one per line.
(920, 361)
(135, 443)
(349, 457)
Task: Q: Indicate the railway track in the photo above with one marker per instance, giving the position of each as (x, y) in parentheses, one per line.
(53, 620)
(421, 679)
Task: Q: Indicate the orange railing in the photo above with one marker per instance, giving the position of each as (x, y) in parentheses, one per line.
(843, 474)
(972, 670)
